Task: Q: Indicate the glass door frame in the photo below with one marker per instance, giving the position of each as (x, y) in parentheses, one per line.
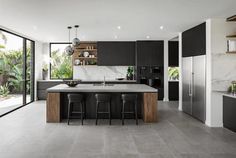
(24, 84)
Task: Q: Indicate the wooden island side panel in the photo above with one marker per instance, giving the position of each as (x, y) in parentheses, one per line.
(150, 105)
(53, 107)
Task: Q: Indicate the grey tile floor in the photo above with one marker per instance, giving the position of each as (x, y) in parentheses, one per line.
(24, 134)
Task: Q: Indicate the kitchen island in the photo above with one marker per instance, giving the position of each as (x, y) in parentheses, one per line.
(57, 100)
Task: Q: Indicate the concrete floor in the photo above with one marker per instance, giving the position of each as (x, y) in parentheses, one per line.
(24, 134)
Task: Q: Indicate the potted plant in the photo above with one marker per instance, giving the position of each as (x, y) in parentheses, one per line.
(130, 73)
(232, 88)
(45, 72)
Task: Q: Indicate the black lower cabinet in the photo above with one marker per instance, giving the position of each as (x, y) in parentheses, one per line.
(42, 87)
(173, 91)
(229, 113)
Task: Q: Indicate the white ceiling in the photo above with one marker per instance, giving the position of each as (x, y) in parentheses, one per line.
(47, 20)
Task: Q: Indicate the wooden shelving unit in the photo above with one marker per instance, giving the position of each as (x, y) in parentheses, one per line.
(232, 18)
(232, 52)
(91, 48)
(231, 38)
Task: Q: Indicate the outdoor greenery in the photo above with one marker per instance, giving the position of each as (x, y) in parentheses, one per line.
(11, 70)
(4, 90)
(61, 65)
(173, 73)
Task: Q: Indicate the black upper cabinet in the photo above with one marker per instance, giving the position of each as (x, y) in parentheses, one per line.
(149, 53)
(173, 48)
(116, 53)
(194, 41)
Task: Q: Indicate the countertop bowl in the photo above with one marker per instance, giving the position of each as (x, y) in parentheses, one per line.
(72, 83)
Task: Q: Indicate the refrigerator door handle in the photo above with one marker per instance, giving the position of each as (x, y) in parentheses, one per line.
(190, 87)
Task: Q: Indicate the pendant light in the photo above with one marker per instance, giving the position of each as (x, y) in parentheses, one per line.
(69, 50)
(76, 41)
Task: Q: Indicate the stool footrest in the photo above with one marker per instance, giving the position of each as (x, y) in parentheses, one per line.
(128, 112)
(103, 112)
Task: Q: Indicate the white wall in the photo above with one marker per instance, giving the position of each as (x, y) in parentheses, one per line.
(166, 89)
(220, 68)
(180, 73)
(38, 63)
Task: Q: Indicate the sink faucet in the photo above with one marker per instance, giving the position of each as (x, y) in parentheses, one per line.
(104, 81)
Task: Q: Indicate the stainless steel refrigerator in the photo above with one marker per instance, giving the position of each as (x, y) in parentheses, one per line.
(194, 86)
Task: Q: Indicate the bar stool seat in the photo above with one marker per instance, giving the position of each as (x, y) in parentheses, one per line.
(131, 98)
(103, 99)
(76, 100)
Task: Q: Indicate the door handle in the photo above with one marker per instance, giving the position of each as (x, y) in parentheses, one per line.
(190, 87)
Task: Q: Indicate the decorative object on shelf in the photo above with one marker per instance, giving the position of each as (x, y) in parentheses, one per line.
(76, 41)
(71, 83)
(45, 72)
(120, 78)
(232, 18)
(231, 46)
(69, 50)
(232, 88)
(86, 54)
(130, 73)
(77, 62)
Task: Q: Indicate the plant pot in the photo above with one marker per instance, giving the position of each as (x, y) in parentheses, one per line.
(130, 77)
(45, 74)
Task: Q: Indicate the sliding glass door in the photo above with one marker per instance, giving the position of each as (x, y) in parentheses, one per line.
(29, 72)
(16, 72)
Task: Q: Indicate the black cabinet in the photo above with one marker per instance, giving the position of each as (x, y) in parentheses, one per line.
(194, 41)
(173, 90)
(173, 48)
(42, 87)
(116, 53)
(149, 53)
(229, 113)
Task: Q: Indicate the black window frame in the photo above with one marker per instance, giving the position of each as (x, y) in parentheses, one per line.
(24, 103)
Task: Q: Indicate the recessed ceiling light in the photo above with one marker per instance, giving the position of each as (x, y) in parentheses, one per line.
(118, 27)
(115, 36)
(161, 27)
(35, 27)
(147, 37)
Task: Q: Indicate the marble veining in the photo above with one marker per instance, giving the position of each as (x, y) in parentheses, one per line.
(223, 70)
(98, 72)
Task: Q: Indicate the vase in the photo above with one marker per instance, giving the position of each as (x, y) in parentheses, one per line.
(45, 74)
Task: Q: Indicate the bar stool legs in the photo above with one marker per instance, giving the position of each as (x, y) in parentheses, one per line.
(103, 99)
(136, 112)
(109, 109)
(97, 112)
(79, 99)
(131, 98)
(68, 115)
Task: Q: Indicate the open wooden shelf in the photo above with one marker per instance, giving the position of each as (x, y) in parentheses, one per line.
(231, 52)
(90, 47)
(87, 50)
(232, 18)
(231, 36)
(85, 58)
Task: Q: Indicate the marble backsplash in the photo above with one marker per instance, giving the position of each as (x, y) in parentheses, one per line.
(223, 70)
(97, 73)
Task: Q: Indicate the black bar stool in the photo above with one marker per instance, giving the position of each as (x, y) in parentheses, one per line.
(80, 101)
(129, 98)
(103, 99)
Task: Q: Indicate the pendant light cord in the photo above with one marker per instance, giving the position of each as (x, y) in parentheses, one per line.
(69, 28)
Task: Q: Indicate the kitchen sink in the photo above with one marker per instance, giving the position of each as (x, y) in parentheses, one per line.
(101, 84)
